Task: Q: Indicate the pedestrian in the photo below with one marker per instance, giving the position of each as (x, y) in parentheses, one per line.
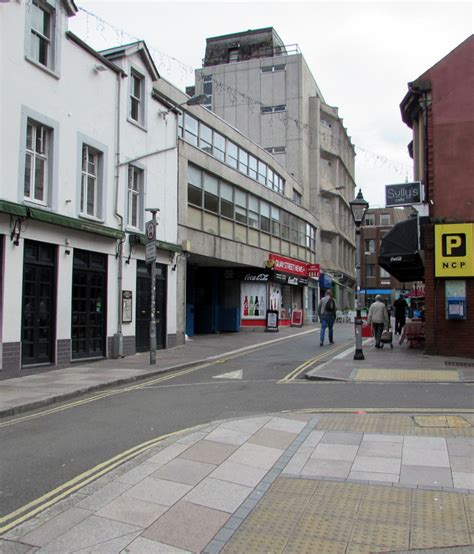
(400, 306)
(378, 318)
(327, 316)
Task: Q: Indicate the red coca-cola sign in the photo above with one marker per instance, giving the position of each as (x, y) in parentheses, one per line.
(288, 265)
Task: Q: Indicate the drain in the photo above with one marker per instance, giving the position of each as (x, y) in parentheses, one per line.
(459, 364)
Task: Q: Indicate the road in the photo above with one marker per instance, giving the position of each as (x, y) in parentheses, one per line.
(43, 450)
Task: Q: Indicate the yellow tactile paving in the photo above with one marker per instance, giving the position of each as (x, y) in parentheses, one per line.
(353, 518)
(406, 375)
(440, 421)
(389, 424)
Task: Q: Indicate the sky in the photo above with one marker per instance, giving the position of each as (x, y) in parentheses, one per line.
(361, 54)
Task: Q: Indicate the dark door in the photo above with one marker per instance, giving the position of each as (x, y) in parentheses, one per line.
(39, 272)
(89, 293)
(142, 316)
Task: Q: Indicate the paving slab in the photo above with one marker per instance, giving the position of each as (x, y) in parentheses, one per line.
(159, 491)
(220, 495)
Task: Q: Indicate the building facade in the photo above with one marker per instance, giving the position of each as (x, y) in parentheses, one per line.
(82, 154)
(374, 278)
(439, 107)
(265, 89)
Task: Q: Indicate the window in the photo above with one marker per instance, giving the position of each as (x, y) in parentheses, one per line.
(241, 206)
(384, 274)
(207, 84)
(219, 146)
(273, 109)
(233, 55)
(42, 33)
(370, 270)
(273, 68)
(90, 185)
(190, 129)
(264, 216)
(252, 167)
(232, 153)
(310, 237)
(36, 162)
(294, 229)
(276, 149)
(325, 123)
(227, 200)
(253, 211)
(137, 107)
(243, 161)
(262, 173)
(275, 221)
(211, 198)
(370, 245)
(285, 225)
(205, 138)
(297, 197)
(135, 197)
(384, 219)
(194, 186)
(369, 220)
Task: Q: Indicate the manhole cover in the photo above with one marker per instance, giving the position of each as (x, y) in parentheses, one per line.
(441, 421)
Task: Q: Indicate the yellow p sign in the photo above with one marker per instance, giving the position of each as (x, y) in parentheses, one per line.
(454, 250)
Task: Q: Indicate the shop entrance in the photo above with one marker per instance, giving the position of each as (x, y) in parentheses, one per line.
(142, 316)
(38, 329)
(89, 294)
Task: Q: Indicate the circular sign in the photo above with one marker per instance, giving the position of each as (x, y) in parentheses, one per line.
(150, 230)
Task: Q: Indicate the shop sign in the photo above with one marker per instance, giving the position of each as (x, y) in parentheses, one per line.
(314, 270)
(288, 265)
(280, 278)
(254, 274)
(127, 297)
(256, 277)
(454, 250)
(302, 281)
(297, 318)
(404, 194)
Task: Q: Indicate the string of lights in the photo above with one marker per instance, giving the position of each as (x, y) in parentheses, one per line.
(168, 64)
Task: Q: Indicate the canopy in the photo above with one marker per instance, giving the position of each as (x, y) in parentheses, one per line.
(399, 252)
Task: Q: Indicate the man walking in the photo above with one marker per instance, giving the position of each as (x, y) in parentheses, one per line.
(378, 318)
(327, 316)
(400, 305)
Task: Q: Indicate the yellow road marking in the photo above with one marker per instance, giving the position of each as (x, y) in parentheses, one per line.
(298, 370)
(380, 411)
(52, 497)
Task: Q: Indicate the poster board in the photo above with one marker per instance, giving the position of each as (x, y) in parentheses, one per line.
(271, 320)
(297, 318)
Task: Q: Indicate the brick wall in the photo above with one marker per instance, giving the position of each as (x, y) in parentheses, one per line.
(445, 337)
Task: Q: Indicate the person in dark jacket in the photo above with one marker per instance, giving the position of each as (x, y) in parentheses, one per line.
(400, 306)
(327, 316)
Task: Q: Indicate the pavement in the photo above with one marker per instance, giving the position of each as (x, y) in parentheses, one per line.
(283, 482)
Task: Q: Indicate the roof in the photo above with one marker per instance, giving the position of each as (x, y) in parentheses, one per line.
(71, 7)
(139, 47)
(249, 32)
(71, 36)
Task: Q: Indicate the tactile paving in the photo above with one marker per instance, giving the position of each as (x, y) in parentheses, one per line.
(354, 518)
(425, 375)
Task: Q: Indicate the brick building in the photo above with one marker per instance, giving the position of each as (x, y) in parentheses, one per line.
(439, 107)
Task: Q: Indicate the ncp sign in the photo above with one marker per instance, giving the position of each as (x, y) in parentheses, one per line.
(454, 250)
(404, 194)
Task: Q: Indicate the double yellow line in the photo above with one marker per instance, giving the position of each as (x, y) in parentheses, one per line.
(36, 506)
(304, 366)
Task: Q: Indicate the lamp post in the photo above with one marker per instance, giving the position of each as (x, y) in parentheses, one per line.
(359, 207)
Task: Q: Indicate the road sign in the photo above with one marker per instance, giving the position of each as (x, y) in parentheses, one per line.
(150, 252)
(150, 231)
(454, 250)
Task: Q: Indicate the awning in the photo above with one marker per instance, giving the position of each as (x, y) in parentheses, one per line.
(400, 252)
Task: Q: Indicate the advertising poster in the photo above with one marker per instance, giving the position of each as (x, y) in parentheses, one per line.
(253, 303)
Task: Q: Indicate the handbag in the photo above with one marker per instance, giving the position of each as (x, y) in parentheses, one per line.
(386, 336)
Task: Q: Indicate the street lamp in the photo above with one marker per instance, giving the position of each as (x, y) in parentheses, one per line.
(193, 101)
(359, 207)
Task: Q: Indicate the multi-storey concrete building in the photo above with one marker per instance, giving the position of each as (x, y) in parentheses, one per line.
(266, 90)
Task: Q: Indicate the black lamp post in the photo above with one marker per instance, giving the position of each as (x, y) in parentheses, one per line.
(359, 207)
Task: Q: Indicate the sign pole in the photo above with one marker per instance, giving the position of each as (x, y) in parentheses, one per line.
(151, 258)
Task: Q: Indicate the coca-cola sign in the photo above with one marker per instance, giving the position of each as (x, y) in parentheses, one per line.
(288, 265)
(256, 277)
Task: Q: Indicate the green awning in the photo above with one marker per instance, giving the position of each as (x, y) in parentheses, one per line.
(162, 245)
(12, 208)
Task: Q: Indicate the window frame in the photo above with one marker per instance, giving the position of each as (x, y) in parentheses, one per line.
(137, 76)
(90, 157)
(35, 156)
(102, 152)
(52, 64)
(134, 193)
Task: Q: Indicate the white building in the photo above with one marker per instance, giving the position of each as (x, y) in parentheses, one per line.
(82, 154)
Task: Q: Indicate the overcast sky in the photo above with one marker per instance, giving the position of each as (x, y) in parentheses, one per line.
(362, 55)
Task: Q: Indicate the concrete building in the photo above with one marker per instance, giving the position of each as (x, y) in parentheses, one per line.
(265, 89)
(439, 107)
(79, 163)
(247, 244)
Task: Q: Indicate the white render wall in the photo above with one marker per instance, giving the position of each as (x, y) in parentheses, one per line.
(80, 104)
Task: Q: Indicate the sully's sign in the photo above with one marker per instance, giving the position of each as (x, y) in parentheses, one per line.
(405, 194)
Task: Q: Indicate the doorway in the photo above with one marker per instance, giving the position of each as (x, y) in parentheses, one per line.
(38, 305)
(142, 315)
(89, 294)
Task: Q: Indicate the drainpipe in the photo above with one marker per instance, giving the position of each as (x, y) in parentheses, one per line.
(117, 350)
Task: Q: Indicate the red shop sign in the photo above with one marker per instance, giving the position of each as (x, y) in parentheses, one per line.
(314, 270)
(288, 265)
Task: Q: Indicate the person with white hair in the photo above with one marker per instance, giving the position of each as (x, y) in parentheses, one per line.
(378, 318)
